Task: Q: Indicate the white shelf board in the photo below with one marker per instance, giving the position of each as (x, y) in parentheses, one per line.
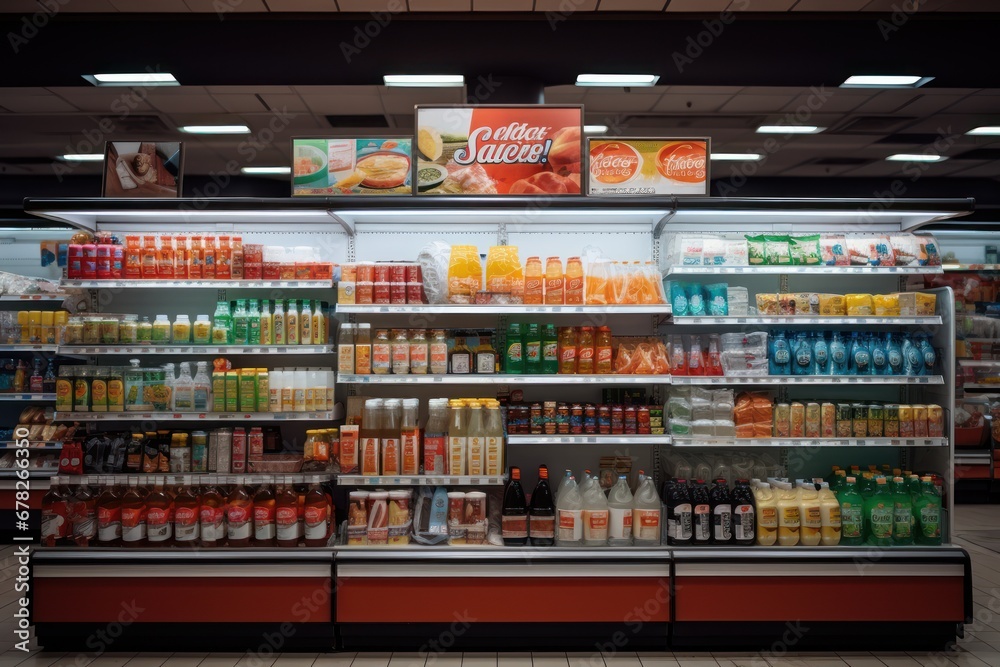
(587, 439)
(510, 309)
(686, 441)
(195, 416)
(197, 349)
(420, 480)
(802, 269)
(739, 320)
(27, 397)
(502, 378)
(195, 284)
(28, 348)
(810, 379)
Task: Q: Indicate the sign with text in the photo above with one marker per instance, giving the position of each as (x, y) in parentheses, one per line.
(648, 166)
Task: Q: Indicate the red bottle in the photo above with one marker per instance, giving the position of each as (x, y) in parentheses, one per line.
(56, 523)
(187, 510)
(159, 515)
(317, 515)
(109, 515)
(212, 515)
(695, 357)
(84, 514)
(263, 515)
(133, 516)
(239, 514)
(713, 365)
(286, 514)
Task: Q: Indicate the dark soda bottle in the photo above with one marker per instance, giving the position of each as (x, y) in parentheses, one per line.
(722, 512)
(744, 514)
(702, 513)
(680, 514)
(514, 515)
(542, 513)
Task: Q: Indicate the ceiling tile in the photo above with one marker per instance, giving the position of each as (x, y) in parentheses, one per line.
(150, 6)
(977, 103)
(969, 6)
(888, 101)
(19, 7)
(249, 90)
(291, 103)
(977, 168)
(503, 5)
(440, 5)
(105, 100)
(756, 103)
(599, 102)
(763, 5)
(223, 7)
(183, 103)
(302, 5)
(342, 104)
(402, 100)
(829, 5)
(836, 100)
(893, 5)
(631, 5)
(369, 5)
(38, 103)
(91, 6)
(705, 90)
(703, 5)
(563, 7)
(690, 103)
(240, 103)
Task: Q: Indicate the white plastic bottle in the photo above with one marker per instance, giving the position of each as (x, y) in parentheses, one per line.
(586, 481)
(767, 514)
(595, 517)
(830, 513)
(569, 511)
(810, 515)
(170, 377)
(647, 514)
(276, 380)
(202, 388)
(183, 392)
(620, 514)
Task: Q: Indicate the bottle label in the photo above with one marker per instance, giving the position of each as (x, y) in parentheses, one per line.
(381, 356)
(476, 455)
(685, 522)
(878, 358)
(880, 520)
(494, 445)
(418, 355)
(861, 360)
(744, 522)
(456, 455)
(811, 517)
(702, 523)
(514, 527)
(790, 518)
(316, 522)
(568, 355)
(850, 518)
(542, 527)
(186, 524)
(435, 455)
(439, 356)
(768, 517)
(821, 355)
(84, 522)
(803, 357)
(287, 520)
(133, 526)
(597, 524)
(604, 355)
(158, 528)
(930, 521)
(782, 356)
(570, 525)
(833, 516)
(410, 444)
(486, 363)
(238, 524)
(722, 523)
(369, 456)
(345, 358)
(263, 522)
(109, 524)
(646, 524)
(390, 456)
(929, 357)
(514, 352)
(211, 524)
(620, 523)
(895, 360)
(550, 351)
(902, 522)
(460, 363)
(533, 352)
(839, 355)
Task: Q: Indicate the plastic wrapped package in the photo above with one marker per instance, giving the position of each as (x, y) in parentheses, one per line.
(465, 274)
(433, 259)
(907, 303)
(738, 301)
(704, 428)
(767, 304)
(724, 429)
(696, 299)
(832, 305)
(680, 427)
(717, 302)
(828, 420)
(813, 421)
(777, 250)
(782, 420)
(861, 250)
(504, 273)
(858, 305)
(735, 252)
(806, 303)
(906, 248)
(926, 303)
(713, 252)
(833, 250)
(786, 304)
(756, 250)
(691, 250)
(805, 250)
(885, 305)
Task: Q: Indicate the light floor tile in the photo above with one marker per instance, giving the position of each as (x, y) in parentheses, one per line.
(334, 660)
(404, 660)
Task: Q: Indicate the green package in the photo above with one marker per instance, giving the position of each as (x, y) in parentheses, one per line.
(756, 249)
(777, 250)
(805, 250)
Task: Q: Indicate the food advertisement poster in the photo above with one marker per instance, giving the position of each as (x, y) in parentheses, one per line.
(142, 169)
(648, 166)
(352, 166)
(499, 150)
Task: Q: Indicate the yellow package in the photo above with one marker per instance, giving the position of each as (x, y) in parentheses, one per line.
(503, 269)
(858, 305)
(886, 305)
(926, 303)
(465, 274)
(832, 305)
(907, 303)
(806, 303)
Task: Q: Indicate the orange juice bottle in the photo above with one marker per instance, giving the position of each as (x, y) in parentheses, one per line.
(567, 351)
(181, 261)
(133, 257)
(224, 259)
(585, 351)
(574, 281)
(554, 281)
(149, 257)
(604, 351)
(165, 267)
(533, 281)
(196, 257)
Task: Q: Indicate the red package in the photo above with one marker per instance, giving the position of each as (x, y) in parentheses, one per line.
(71, 459)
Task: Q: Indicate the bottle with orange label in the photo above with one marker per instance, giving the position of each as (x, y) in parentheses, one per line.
(371, 436)
(133, 257)
(438, 352)
(381, 353)
(362, 349)
(567, 351)
(150, 257)
(410, 437)
(224, 259)
(317, 512)
(390, 436)
(554, 281)
(604, 350)
(585, 351)
(165, 264)
(533, 281)
(239, 514)
(574, 282)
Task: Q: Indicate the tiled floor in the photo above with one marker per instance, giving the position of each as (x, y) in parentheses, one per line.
(980, 648)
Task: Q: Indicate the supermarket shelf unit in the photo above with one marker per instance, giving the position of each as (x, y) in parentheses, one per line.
(491, 583)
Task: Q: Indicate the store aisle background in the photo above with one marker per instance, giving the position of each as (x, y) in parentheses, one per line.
(977, 529)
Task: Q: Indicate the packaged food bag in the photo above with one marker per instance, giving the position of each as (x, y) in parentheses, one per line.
(777, 250)
(503, 269)
(805, 250)
(756, 250)
(465, 274)
(833, 250)
(434, 261)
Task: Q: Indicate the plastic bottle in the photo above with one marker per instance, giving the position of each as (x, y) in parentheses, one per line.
(767, 514)
(183, 391)
(317, 510)
(646, 514)
(109, 515)
(585, 351)
(514, 512)
(306, 323)
(362, 348)
(476, 439)
(457, 438)
(802, 358)
(702, 514)
(390, 437)
(266, 323)
(903, 520)
(620, 513)
(722, 512)
(533, 350)
(695, 357)
(211, 514)
(554, 279)
(879, 514)
(604, 351)
(569, 512)
(514, 356)
(279, 324)
(894, 355)
(165, 263)
(713, 361)
(533, 281)
(567, 351)
(222, 325)
(830, 515)
(810, 515)
(180, 333)
(789, 517)
(264, 528)
(744, 514)
(541, 514)
(927, 510)
(859, 357)
(159, 523)
(781, 355)
(550, 350)
(573, 286)
(83, 513)
(345, 349)
(928, 352)
(399, 352)
(133, 516)
(595, 517)
(286, 514)
(320, 324)
(292, 326)
(820, 354)
(494, 434)
(880, 361)
(419, 352)
(409, 437)
(838, 355)
(253, 322)
(564, 483)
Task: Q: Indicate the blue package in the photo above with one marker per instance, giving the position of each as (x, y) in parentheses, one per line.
(678, 299)
(802, 353)
(695, 298)
(838, 355)
(859, 358)
(781, 356)
(894, 355)
(929, 354)
(821, 354)
(880, 362)
(913, 358)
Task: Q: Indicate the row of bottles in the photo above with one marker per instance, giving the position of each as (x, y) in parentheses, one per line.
(16, 377)
(863, 353)
(699, 515)
(884, 511)
(187, 511)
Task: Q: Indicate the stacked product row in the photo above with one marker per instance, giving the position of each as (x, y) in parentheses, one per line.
(557, 418)
(31, 327)
(899, 304)
(17, 377)
(429, 517)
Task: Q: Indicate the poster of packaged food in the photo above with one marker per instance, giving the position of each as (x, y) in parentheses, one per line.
(648, 166)
(142, 169)
(352, 166)
(499, 150)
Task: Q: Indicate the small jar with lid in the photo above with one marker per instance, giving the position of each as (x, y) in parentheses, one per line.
(91, 330)
(128, 330)
(181, 330)
(72, 333)
(438, 352)
(109, 330)
(400, 350)
(144, 332)
(381, 353)
(203, 330)
(161, 330)
(419, 362)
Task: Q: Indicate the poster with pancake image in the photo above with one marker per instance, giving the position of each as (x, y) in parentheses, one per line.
(499, 150)
(351, 166)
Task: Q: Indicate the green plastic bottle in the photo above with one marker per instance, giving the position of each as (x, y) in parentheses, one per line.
(222, 324)
(927, 509)
(839, 480)
(866, 485)
(879, 514)
(903, 521)
(852, 525)
(253, 322)
(515, 350)
(240, 323)
(550, 350)
(533, 350)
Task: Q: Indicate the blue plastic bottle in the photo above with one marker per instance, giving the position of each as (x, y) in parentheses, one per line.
(930, 354)
(894, 355)
(802, 356)
(880, 362)
(838, 355)
(913, 358)
(821, 354)
(781, 355)
(860, 362)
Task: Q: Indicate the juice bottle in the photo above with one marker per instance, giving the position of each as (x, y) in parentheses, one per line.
(879, 514)
(241, 323)
(292, 327)
(208, 268)
(150, 257)
(830, 509)
(84, 514)
(586, 352)
(457, 438)
(903, 520)
(533, 285)
(187, 508)
(514, 512)
(317, 511)
(320, 335)
(239, 514)
(409, 436)
(278, 323)
(133, 516)
(181, 261)
(604, 351)
(109, 515)
(305, 323)
(619, 513)
(701, 513)
(595, 517)
(646, 514)
(550, 350)
(159, 515)
(263, 515)
(438, 347)
(286, 514)
(165, 259)
(789, 515)
(767, 515)
(810, 515)
(713, 364)
(722, 512)
(744, 514)
(493, 429)
(533, 350)
(419, 352)
(210, 515)
(514, 359)
(569, 513)
(224, 259)
(680, 513)
(574, 281)
(475, 439)
(567, 351)
(927, 509)
(266, 323)
(363, 349)
(370, 436)
(345, 349)
(554, 278)
(253, 322)
(390, 437)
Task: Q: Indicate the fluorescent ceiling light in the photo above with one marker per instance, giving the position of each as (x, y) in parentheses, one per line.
(424, 80)
(595, 129)
(789, 129)
(133, 79)
(735, 157)
(266, 170)
(885, 81)
(617, 80)
(81, 157)
(985, 130)
(215, 129)
(916, 157)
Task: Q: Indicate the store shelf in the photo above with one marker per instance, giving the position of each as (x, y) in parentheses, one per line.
(809, 442)
(197, 349)
(197, 477)
(33, 473)
(28, 348)
(420, 480)
(597, 439)
(980, 363)
(810, 379)
(971, 267)
(33, 446)
(53, 298)
(27, 397)
(796, 269)
(739, 320)
(500, 378)
(197, 284)
(511, 309)
(195, 416)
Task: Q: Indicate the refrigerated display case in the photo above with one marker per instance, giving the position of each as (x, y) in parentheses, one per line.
(552, 597)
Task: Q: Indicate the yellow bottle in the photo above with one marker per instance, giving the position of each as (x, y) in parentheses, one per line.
(789, 521)
(767, 514)
(810, 515)
(319, 333)
(830, 511)
(266, 324)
